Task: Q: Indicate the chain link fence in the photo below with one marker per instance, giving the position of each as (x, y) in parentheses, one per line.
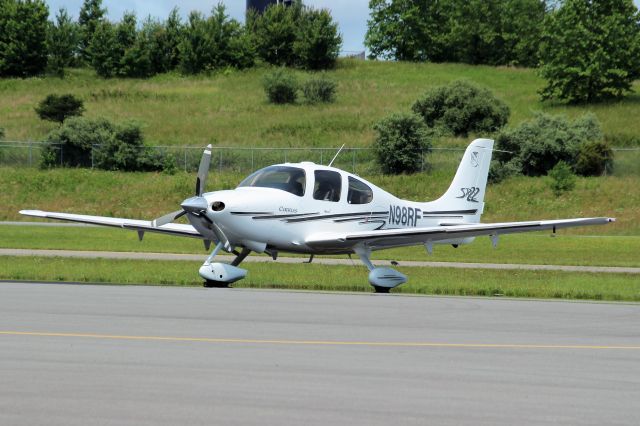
(245, 160)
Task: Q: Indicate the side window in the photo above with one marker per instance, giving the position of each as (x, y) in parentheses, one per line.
(359, 192)
(328, 185)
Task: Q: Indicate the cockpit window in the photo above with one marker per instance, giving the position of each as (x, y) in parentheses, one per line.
(328, 185)
(359, 192)
(290, 179)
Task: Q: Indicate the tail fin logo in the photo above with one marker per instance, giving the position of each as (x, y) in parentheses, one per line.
(475, 161)
(470, 193)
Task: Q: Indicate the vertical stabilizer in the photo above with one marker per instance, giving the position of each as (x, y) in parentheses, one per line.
(466, 193)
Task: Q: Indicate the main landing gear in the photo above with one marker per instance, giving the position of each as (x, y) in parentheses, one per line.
(381, 278)
(223, 274)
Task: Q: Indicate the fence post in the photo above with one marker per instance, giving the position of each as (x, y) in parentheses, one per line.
(252, 166)
(220, 162)
(185, 159)
(353, 160)
(92, 148)
(30, 155)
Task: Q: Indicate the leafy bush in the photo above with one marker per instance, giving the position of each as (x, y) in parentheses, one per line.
(319, 89)
(71, 144)
(82, 142)
(461, 108)
(594, 159)
(401, 140)
(562, 178)
(536, 146)
(122, 150)
(1, 133)
(59, 107)
(590, 50)
(281, 87)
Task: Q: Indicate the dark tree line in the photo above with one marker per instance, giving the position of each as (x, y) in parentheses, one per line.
(31, 45)
(494, 32)
(587, 50)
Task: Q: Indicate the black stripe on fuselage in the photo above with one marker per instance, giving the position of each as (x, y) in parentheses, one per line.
(249, 213)
(332, 216)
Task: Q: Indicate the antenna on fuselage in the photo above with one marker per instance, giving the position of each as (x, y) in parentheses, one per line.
(335, 156)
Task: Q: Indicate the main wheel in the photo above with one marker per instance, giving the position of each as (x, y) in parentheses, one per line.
(216, 284)
(380, 289)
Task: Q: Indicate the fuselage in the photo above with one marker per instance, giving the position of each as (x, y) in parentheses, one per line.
(276, 208)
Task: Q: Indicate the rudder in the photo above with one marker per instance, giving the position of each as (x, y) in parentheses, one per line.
(466, 192)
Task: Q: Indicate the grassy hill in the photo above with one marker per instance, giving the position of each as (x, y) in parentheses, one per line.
(230, 109)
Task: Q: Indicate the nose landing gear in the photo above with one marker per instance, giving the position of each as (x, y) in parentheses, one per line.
(221, 275)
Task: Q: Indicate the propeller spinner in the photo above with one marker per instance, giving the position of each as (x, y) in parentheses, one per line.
(198, 205)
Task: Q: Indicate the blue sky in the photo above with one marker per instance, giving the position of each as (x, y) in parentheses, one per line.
(351, 15)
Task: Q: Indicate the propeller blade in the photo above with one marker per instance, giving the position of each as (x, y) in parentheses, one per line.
(168, 218)
(203, 170)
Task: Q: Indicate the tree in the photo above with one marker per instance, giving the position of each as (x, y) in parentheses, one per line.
(59, 107)
(275, 33)
(23, 36)
(103, 50)
(163, 40)
(401, 142)
(406, 30)
(318, 42)
(496, 32)
(590, 50)
(214, 42)
(62, 41)
(91, 15)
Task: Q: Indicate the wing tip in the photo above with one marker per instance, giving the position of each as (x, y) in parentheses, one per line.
(38, 213)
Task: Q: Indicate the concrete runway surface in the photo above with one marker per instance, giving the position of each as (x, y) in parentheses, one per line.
(125, 355)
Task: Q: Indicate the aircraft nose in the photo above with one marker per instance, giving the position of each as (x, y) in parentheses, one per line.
(194, 204)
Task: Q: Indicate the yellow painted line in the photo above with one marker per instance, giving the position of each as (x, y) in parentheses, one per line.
(312, 342)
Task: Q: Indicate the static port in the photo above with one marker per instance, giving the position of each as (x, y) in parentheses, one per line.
(217, 206)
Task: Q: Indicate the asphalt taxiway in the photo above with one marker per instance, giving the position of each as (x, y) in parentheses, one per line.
(81, 354)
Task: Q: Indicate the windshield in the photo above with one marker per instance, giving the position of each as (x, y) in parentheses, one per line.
(290, 179)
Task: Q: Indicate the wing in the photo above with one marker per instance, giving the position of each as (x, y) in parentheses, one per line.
(177, 229)
(390, 238)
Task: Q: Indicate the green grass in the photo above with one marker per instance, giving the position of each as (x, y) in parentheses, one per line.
(231, 108)
(439, 281)
(538, 248)
(149, 195)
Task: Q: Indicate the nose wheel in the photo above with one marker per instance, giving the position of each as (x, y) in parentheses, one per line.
(215, 284)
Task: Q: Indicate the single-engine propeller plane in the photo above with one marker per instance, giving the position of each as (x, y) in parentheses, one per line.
(321, 210)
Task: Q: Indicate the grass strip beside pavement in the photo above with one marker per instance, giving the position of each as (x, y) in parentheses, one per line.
(533, 249)
(437, 281)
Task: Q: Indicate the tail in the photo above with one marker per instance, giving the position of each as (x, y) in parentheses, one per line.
(465, 196)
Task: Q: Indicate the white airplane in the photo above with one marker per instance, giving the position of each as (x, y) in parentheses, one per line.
(321, 210)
